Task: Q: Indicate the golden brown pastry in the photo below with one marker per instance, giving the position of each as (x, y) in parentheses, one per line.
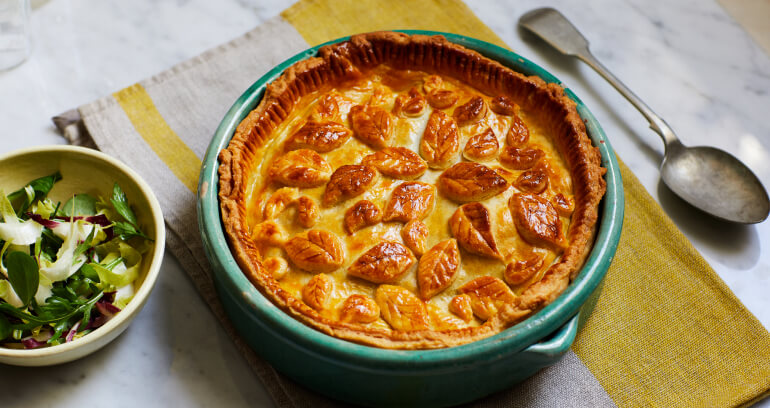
(405, 192)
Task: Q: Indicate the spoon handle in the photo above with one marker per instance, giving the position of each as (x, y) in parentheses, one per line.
(550, 25)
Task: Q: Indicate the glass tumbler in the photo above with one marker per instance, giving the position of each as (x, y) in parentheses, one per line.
(14, 32)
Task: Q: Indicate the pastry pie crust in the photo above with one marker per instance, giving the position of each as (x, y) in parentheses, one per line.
(245, 186)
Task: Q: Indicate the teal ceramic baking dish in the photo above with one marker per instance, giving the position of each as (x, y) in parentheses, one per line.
(378, 377)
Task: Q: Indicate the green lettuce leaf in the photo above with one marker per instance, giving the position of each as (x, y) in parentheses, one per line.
(23, 274)
(79, 205)
(40, 188)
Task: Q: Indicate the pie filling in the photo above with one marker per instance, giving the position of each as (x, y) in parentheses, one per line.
(407, 204)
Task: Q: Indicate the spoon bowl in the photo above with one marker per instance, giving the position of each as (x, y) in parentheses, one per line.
(715, 182)
(710, 179)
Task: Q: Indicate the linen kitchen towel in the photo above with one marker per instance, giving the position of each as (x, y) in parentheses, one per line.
(666, 330)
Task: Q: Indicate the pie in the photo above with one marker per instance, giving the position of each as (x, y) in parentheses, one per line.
(406, 192)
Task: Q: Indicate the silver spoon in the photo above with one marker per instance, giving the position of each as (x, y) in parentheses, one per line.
(708, 178)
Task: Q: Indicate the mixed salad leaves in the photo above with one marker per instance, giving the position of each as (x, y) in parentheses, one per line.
(65, 269)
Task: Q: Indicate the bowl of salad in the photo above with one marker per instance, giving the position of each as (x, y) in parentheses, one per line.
(81, 243)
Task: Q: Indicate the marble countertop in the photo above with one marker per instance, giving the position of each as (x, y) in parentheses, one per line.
(687, 59)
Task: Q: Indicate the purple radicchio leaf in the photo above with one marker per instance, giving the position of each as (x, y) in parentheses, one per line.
(31, 343)
(100, 220)
(108, 297)
(96, 322)
(107, 309)
(106, 312)
(72, 332)
(42, 221)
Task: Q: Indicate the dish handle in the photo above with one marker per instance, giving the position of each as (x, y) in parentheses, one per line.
(558, 343)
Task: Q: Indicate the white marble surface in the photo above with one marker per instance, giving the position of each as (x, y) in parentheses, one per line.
(691, 62)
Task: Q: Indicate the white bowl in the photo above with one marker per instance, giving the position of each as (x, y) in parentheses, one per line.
(87, 171)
